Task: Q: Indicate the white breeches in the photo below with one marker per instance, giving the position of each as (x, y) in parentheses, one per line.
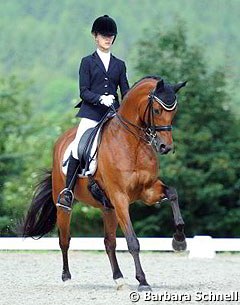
(82, 127)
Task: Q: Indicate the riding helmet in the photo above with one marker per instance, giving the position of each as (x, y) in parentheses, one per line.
(104, 25)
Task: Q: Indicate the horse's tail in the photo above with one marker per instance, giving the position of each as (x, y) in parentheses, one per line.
(42, 214)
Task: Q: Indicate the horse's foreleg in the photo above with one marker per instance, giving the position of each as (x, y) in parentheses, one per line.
(124, 220)
(110, 227)
(179, 242)
(63, 223)
(159, 192)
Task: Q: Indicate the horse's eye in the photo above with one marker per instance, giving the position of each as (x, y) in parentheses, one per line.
(156, 111)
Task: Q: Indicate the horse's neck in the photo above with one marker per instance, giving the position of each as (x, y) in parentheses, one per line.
(122, 142)
(129, 111)
(135, 98)
(128, 139)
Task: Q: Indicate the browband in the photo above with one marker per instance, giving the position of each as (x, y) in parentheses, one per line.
(164, 105)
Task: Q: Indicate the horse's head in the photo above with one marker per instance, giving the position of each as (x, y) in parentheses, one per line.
(158, 115)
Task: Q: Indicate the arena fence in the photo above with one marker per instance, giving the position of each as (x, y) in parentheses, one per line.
(198, 246)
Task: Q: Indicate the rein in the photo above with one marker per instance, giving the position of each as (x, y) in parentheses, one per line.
(150, 130)
(125, 124)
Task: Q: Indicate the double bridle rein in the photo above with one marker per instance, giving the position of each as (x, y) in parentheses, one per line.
(150, 131)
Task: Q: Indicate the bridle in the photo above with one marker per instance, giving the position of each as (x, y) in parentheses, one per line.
(150, 122)
(150, 130)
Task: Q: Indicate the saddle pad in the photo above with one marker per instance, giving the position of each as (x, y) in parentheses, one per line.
(93, 157)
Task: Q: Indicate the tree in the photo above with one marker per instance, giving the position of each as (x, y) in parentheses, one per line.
(205, 169)
(14, 115)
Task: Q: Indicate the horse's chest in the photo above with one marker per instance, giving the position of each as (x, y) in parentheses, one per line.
(145, 177)
(147, 163)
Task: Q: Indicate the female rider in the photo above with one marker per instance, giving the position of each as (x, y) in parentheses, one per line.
(100, 75)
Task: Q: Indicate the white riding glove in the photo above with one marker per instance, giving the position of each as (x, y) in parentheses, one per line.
(107, 100)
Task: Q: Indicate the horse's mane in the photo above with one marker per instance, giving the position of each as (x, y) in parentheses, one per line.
(140, 80)
(156, 77)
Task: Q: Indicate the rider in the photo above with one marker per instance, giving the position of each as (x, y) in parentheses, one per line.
(100, 75)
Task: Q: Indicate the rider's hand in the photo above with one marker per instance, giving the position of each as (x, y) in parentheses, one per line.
(107, 100)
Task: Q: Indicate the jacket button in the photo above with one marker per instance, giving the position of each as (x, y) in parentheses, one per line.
(105, 86)
(106, 93)
(106, 78)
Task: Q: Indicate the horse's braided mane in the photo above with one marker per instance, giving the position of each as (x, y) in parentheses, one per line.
(146, 77)
(143, 78)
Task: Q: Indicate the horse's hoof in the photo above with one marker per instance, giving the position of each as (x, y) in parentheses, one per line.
(120, 284)
(179, 244)
(66, 276)
(144, 288)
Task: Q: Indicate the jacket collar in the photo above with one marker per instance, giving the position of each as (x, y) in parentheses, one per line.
(98, 61)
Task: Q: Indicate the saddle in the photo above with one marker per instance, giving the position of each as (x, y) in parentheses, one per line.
(85, 153)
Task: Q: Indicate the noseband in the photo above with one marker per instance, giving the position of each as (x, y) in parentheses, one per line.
(150, 131)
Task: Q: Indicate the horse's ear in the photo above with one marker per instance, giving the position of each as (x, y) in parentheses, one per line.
(179, 86)
(160, 85)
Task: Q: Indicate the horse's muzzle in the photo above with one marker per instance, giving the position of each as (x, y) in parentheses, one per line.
(160, 146)
(164, 149)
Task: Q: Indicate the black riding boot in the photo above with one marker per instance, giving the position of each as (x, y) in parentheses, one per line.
(66, 197)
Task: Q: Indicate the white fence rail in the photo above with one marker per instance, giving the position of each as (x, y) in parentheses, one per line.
(198, 246)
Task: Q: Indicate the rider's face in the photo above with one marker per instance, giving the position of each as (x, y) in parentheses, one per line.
(104, 43)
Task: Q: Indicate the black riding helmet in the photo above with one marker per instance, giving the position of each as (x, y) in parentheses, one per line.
(105, 26)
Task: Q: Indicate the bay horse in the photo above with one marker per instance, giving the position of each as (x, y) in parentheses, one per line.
(127, 171)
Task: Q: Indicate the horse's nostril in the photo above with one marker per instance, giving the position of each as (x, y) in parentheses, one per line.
(164, 149)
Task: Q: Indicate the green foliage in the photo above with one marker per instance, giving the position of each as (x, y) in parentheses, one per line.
(205, 169)
(14, 115)
(45, 40)
(86, 221)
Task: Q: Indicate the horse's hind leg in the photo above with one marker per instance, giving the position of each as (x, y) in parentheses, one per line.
(110, 227)
(179, 242)
(63, 223)
(124, 220)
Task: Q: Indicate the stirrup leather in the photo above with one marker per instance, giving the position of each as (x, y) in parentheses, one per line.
(59, 204)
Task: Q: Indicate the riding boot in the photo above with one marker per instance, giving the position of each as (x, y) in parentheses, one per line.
(66, 197)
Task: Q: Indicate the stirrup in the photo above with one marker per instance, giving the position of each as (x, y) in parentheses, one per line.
(59, 204)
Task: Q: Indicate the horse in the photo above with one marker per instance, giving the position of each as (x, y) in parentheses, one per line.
(127, 171)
